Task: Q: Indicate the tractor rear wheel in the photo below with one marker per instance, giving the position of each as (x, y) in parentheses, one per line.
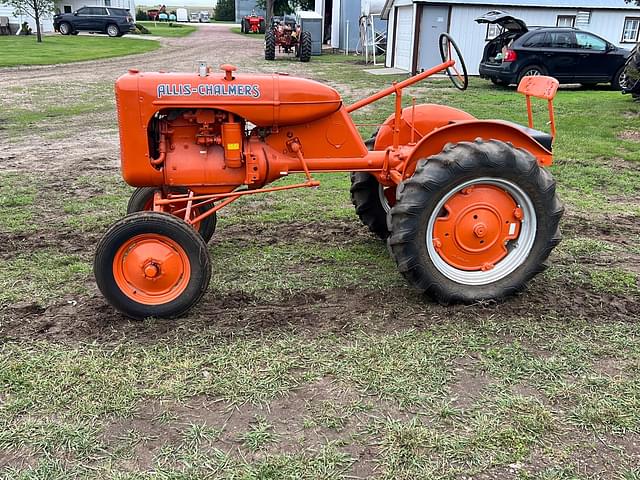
(152, 264)
(475, 222)
(142, 200)
(372, 200)
(262, 27)
(305, 47)
(269, 45)
(242, 30)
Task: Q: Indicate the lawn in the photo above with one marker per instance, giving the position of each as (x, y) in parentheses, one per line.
(163, 29)
(55, 49)
(309, 357)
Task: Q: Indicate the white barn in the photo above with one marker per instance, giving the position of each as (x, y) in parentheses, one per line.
(415, 25)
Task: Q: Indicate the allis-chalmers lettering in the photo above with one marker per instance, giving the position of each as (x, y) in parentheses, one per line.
(208, 90)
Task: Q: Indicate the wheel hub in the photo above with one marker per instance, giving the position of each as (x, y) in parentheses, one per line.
(151, 269)
(477, 224)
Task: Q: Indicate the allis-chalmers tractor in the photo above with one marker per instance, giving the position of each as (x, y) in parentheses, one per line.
(465, 205)
(287, 35)
(253, 24)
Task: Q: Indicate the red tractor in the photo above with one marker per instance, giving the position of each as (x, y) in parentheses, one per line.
(287, 35)
(253, 23)
(465, 205)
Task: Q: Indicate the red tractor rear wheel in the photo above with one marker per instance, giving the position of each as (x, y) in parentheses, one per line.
(142, 200)
(475, 222)
(152, 264)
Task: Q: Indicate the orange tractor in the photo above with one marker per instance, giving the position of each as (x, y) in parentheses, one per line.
(465, 205)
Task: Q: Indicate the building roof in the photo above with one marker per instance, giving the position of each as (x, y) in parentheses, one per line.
(583, 4)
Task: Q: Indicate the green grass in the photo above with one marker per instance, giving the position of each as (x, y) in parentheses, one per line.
(56, 49)
(163, 29)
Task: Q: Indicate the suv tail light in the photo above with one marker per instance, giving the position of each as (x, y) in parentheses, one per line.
(510, 56)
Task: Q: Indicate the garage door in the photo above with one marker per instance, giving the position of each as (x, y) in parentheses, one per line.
(404, 34)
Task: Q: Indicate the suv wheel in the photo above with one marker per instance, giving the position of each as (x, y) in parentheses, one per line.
(112, 30)
(65, 28)
(531, 71)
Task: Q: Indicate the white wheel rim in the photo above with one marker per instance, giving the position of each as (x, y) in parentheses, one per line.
(532, 73)
(384, 201)
(519, 248)
(112, 31)
(64, 29)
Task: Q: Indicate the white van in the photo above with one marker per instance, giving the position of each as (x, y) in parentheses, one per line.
(182, 15)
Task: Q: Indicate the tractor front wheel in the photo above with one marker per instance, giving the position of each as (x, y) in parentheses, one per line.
(152, 264)
(475, 222)
(305, 47)
(269, 45)
(142, 200)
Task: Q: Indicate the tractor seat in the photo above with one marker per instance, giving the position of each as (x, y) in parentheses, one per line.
(543, 138)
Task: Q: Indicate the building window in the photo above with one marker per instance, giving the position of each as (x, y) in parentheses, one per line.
(583, 17)
(107, 3)
(67, 9)
(630, 30)
(493, 30)
(566, 21)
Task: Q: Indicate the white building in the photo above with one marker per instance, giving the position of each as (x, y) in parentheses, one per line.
(415, 25)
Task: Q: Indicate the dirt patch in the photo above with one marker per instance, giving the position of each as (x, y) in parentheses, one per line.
(159, 423)
(632, 135)
(334, 232)
(70, 242)
(468, 383)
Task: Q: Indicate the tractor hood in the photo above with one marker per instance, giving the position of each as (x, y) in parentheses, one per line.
(505, 20)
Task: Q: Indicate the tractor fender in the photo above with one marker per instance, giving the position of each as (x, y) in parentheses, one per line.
(470, 130)
(422, 120)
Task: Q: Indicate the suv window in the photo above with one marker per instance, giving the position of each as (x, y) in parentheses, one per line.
(562, 40)
(535, 41)
(83, 11)
(590, 42)
(120, 12)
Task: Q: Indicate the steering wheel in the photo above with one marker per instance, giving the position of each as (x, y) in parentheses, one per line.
(459, 80)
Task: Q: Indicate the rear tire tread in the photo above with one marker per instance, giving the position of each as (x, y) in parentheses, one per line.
(439, 174)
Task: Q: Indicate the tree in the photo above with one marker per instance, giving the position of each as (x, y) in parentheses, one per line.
(36, 9)
(225, 10)
(282, 7)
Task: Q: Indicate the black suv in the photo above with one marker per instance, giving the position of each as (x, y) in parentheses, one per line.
(568, 54)
(115, 22)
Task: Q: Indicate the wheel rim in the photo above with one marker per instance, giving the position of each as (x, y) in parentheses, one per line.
(533, 72)
(481, 231)
(112, 31)
(151, 269)
(387, 196)
(64, 29)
